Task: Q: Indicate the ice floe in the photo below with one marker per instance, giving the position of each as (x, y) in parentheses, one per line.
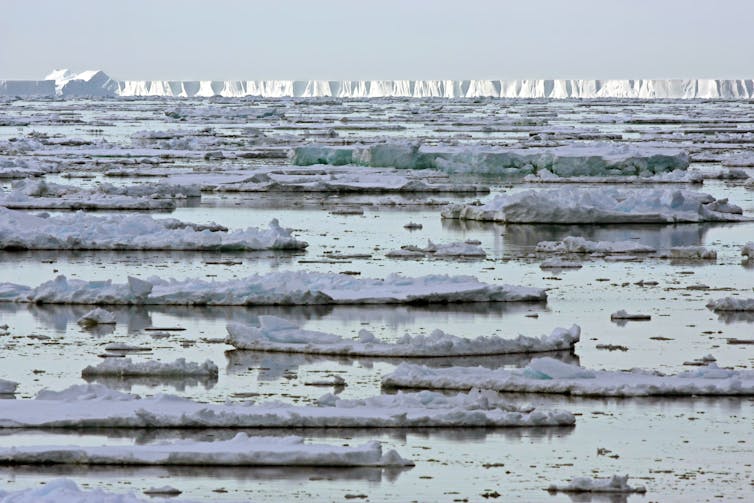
(732, 304)
(241, 450)
(676, 176)
(80, 231)
(97, 316)
(600, 205)
(96, 406)
(614, 484)
(457, 249)
(692, 252)
(574, 244)
(279, 335)
(558, 263)
(66, 491)
(622, 314)
(548, 375)
(577, 159)
(275, 288)
(125, 367)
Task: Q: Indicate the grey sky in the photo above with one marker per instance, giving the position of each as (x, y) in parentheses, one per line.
(385, 39)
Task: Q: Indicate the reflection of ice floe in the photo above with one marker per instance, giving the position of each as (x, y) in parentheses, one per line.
(179, 383)
(276, 288)
(546, 375)
(278, 335)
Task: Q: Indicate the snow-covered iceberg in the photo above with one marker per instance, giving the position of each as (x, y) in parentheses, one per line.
(125, 367)
(279, 335)
(95, 406)
(577, 159)
(600, 205)
(81, 231)
(275, 288)
(732, 304)
(241, 450)
(574, 244)
(548, 375)
(615, 484)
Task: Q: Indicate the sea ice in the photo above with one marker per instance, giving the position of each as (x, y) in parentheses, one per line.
(66, 491)
(274, 288)
(732, 304)
(574, 244)
(80, 231)
(599, 206)
(447, 250)
(558, 263)
(279, 335)
(97, 316)
(615, 484)
(547, 375)
(96, 406)
(124, 367)
(692, 252)
(7, 387)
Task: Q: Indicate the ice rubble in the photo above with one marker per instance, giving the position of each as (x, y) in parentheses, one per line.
(600, 205)
(692, 252)
(97, 316)
(455, 249)
(241, 450)
(96, 83)
(548, 375)
(96, 406)
(66, 491)
(125, 367)
(279, 335)
(615, 484)
(577, 159)
(574, 244)
(81, 231)
(7, 387)
(274, 288)
(731, 304)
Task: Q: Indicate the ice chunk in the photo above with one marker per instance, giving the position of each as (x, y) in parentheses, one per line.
(93, 406)
(748, 250)
(574, 244)
(97, 316)
(622, 314)
(615, 484)
(598, 206)
(693, 252)
(275, 334)
(457, 249)
(731, 304)
(66, 491)
(557, 263)
(275, 288)
(242, 450)
(80, 231)
(546, 375)
(124, 367)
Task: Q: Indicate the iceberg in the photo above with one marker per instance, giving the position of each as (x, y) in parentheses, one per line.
(599, 206)
(577, 159)
(275, 288)
(548, 375)
(279, 335)
(81, 231)
(241, 450)
(96, 406)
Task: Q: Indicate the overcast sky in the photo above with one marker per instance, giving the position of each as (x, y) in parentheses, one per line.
(385, 39)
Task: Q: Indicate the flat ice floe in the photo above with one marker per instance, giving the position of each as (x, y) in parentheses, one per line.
(80, 231)
(66, 491)
(125, 367)
(242, 450)
(577, 159)
(96, 406)
(574, 244)
(279, 335)
(447, 250)
(275, 288)
(600, 206)
(670, 177)
(548, 375)
(732, 304)
(692, 252)
(615, 484)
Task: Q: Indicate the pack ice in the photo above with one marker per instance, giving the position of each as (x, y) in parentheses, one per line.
(577, 159)
(276, 334)
(548, 375)
(275, 288)
(81, 231)
(241, 450)
(601, 205)
(96, 406)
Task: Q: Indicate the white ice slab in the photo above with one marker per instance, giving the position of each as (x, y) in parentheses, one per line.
(125, 367)
(80, 231)
(242, 450)
(600, 206)
(97, 316)
(574, 244)
(615, 484)
(458, 249)
(275, 288)
(547, 375)
(66, 491)
(279, 335)
(732, 304)
(95, 406)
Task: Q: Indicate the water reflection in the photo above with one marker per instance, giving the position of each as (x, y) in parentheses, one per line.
(179, 383)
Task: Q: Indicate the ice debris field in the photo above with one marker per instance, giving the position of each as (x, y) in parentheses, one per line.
(455, 290)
